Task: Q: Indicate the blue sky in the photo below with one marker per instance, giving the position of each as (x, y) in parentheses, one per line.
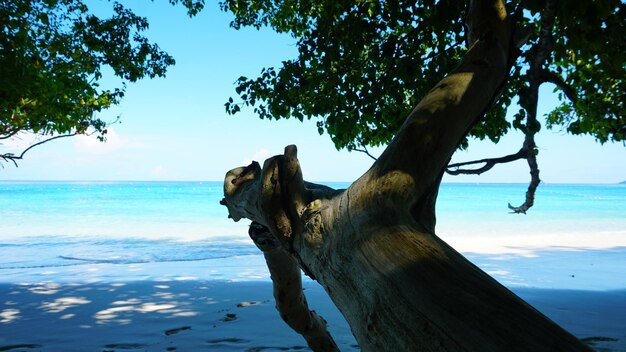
(175, 128)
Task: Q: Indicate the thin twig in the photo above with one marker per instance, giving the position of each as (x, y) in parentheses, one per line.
(10, 134)
(12, 157)
(364, 150)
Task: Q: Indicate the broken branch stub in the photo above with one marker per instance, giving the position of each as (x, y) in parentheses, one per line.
(274, 196)
(241, 186)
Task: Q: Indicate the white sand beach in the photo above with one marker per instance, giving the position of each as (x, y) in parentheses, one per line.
(184, 312)
(154, 316)
(228, 316)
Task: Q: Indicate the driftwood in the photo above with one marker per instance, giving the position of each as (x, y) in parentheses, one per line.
(373, 246)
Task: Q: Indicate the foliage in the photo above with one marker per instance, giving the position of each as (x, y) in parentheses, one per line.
(363, 65)
(590, 56)
(52, 57)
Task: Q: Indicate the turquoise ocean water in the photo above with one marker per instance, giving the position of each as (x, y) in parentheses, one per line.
(65, 230)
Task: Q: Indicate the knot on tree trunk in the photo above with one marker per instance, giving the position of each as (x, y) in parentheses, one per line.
(263, 238)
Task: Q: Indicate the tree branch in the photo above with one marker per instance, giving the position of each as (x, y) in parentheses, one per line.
(454, 169)
(532, 187)
(551, 77)
(364, 150)
(288, 294)
(12, 157)
(530, 99)
(432, 132)
(8, 130)
(10, 134)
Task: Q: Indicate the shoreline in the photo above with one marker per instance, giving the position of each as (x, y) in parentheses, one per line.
(557, 267)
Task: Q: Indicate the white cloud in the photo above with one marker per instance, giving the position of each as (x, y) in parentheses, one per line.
(160, 171)
(260, 156)
(114, 141)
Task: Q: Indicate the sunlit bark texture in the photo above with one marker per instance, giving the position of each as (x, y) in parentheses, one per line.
(373, 246)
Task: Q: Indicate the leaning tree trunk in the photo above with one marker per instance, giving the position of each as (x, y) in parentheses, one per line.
(373, 246)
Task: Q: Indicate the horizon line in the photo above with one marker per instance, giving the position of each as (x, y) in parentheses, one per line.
(317, 181)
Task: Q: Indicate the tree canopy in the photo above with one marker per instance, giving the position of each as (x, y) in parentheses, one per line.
(363, 65)
(52, 57)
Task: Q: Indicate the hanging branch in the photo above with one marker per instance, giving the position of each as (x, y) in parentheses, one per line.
(529, 100)
(454, 169)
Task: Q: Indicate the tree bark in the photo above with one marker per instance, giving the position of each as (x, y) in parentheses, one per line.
(288, 293)
(373, 246)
